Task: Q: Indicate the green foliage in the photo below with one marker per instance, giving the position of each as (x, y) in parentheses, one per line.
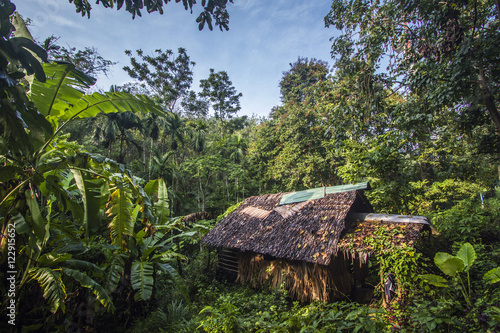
(173, 319)
(166, 78)
(141, 279)
(213, 9)
(468, 221)
(221, 93)
(87, 282)
(493, 275)
(241, 310)
(402, 260)
(53, 288)
(83, 221)
(455, 265)
(221, 319)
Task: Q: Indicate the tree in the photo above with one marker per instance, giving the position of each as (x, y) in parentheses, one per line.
(194, 106)
(174, 127)
(445, 52)
(220, 91)
(213, 9)
(302, 74)
(290, 150)
(198, 134)
(167, 79)
(109, 128)
(88, 60)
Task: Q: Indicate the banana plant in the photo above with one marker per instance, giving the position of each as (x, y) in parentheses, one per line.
(154, 253)
(61, 98)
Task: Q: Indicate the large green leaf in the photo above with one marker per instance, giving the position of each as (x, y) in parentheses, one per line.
(121, 210)
(467, 254)
(141, 279)
(112, 102)
(162, 211)
(452, 266)
(91, 198)
(177, 280)
(50, 259)
(87, 282)
(62, 98)
(52, 285)
(114, 272)
(83, 265)
(441, 257)
(493, 275)
(38, 223)
(64, 87)
(435, 280)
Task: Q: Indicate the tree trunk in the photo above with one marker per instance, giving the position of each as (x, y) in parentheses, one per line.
(150, 160)
(488, 98)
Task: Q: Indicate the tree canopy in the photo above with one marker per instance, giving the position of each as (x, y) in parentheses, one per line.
(445, 54)
(212, 9)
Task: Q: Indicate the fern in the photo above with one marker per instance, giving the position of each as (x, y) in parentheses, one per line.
(52, 285)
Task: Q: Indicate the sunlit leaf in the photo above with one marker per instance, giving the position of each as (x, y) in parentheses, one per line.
(435, 280)
(467, 254)
(493, 275)
(52, 286)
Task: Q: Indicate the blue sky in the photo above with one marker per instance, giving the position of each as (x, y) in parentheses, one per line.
(264, 37)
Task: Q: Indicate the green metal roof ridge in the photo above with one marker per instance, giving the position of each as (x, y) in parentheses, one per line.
(320, 192)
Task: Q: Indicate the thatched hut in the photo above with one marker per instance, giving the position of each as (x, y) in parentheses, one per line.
(296, 240)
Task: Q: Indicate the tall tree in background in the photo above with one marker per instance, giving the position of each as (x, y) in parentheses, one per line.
(88, 60)
(291, 144)
(194, 105)
(446, 52)
(166, 77)
(222, 94)
(113, 127)
(302, 74)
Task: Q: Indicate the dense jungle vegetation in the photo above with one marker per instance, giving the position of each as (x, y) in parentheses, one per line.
(101, 188)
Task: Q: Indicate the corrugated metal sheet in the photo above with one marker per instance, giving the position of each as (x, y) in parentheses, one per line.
(320, 192)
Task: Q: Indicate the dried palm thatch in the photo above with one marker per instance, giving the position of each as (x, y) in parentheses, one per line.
(305, 231)
(196, 217)
(302, 246)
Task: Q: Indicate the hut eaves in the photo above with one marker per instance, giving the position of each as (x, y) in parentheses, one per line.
(305, 231)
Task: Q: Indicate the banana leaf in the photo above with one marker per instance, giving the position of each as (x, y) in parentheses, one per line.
(62, 97)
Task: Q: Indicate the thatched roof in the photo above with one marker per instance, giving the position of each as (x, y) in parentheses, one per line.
(306, 231)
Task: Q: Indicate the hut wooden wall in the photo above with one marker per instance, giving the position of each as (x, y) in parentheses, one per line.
(304, 281)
